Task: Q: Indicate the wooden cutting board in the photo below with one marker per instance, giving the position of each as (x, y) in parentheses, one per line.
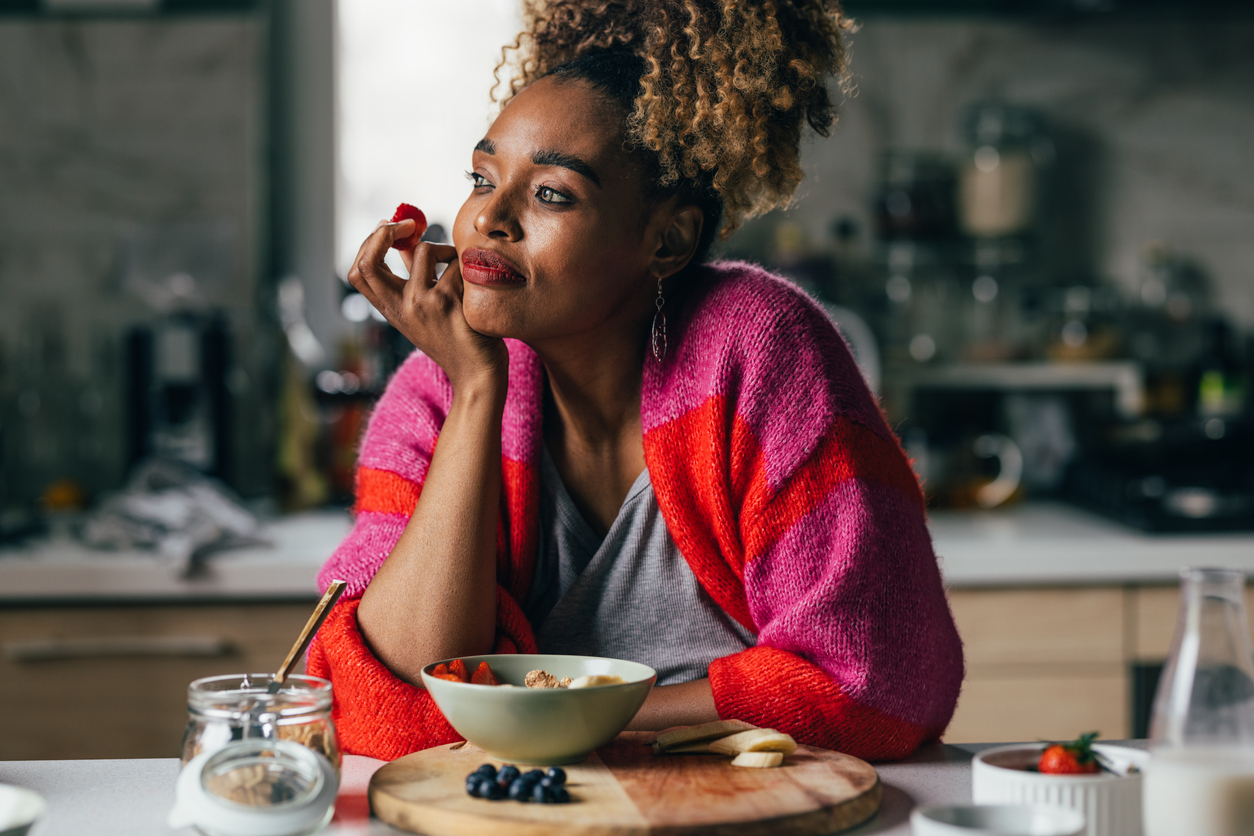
(624, 789)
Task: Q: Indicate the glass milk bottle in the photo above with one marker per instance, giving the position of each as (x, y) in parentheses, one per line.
(1200, 778)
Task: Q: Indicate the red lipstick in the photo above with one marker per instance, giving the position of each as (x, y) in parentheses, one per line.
(490, 268)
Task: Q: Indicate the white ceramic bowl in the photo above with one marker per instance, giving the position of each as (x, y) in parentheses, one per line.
(1110, 803)
(541, 725)
(996, 820)
(19, 809)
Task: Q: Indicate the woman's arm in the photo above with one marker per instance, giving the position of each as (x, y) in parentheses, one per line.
(435, 595)
(685, 704)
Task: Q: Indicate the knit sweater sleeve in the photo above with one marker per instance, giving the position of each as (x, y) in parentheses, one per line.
(377, 713)
(797, 510)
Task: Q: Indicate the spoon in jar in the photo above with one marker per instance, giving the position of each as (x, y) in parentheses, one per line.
(320, 614)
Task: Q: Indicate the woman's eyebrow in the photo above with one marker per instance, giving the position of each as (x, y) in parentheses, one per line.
(566, 161)
(487, 146)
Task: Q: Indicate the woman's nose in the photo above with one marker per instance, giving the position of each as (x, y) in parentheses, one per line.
(498, 216)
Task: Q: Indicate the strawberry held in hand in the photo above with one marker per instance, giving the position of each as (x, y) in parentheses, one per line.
(1074, 758)
(413, 213)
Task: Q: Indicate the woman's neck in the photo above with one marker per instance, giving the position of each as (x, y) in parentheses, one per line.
(592, 419)
(593, 389)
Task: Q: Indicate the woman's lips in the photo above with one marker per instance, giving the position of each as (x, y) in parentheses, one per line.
(488, 267)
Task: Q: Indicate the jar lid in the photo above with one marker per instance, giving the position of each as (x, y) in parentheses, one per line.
(256, 788)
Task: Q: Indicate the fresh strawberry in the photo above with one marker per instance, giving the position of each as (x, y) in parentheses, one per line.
(440, 670)
(458, 669)
(414, 214)
(483, 675)
(1074, 758)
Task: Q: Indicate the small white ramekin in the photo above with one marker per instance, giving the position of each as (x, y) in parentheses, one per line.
(1111, 803)
(992, 819)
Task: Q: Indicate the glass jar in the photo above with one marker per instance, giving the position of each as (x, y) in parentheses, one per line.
(221, 709)
(998, 183)
(1200, 777)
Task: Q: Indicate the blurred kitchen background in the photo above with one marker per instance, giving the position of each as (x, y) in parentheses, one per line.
(1034, 223)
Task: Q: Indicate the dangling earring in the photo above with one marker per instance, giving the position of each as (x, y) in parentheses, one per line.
(659, 325)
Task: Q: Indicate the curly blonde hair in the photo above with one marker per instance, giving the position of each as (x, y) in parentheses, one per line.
(724, 91)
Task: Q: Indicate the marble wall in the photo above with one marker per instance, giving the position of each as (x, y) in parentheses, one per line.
(1157, 117)
(111, 129)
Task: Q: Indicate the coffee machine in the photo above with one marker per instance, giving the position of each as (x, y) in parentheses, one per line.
(177, 395)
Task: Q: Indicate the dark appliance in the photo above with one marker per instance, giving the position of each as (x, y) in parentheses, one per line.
(1189, 475)
(177, 396)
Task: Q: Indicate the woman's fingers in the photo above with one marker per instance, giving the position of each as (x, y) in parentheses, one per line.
(451, 278)
(370, 276)
(404, 229)
(425, 258)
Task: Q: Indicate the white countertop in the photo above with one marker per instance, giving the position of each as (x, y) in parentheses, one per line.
(1032, 544)
(133, 797)
(59, 569)
(1057, 544)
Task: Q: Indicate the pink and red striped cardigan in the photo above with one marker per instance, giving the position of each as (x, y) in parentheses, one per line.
(781, 484)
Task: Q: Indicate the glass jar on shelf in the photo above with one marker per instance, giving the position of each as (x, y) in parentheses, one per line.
(998, 185)
(1200, 777)
(222, 709)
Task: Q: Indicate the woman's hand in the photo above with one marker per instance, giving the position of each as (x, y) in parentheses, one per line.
(428, 309)
(686, 704)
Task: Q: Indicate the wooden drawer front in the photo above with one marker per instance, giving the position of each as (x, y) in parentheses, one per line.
(1047, 706)
(1155, 610)
(124, 707)
(1050, 626)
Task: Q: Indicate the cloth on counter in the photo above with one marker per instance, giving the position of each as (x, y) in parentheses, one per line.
(175, 510)
(779, 480)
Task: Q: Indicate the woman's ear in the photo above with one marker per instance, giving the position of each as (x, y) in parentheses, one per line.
(677, 241)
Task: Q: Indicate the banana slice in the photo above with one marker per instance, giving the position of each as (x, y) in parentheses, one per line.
(668, 740)
(756, 740)
(759, 760)
(595, 680)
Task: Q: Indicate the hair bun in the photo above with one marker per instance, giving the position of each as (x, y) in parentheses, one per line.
(727, 89)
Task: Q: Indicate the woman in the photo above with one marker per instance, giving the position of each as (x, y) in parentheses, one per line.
(639, 454)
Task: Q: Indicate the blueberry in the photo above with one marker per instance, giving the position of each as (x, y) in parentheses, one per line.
(472, 784)
(534, 775)
(487, 770)
(541, 795)
(520, 789)
(557, 775)
(507, 775)
(560, 795)
(491, 790)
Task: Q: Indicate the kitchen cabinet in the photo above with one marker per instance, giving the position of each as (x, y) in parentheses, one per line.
(75, 683)
(97, 648)
(1051, 663)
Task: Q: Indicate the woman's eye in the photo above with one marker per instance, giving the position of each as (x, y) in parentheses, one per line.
(548, 195)
(476, 179)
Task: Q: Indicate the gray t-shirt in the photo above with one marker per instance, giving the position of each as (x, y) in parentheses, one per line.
(629, 596)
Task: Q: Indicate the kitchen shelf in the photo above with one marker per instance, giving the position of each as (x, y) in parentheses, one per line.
(1125, 378)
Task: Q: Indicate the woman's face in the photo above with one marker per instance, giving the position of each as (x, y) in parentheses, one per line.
(554, 239)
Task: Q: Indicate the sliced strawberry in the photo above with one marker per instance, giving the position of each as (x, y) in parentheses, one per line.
(440, 670)
(458, 669)
(483, 675)
(447, 677)
(414, 214)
